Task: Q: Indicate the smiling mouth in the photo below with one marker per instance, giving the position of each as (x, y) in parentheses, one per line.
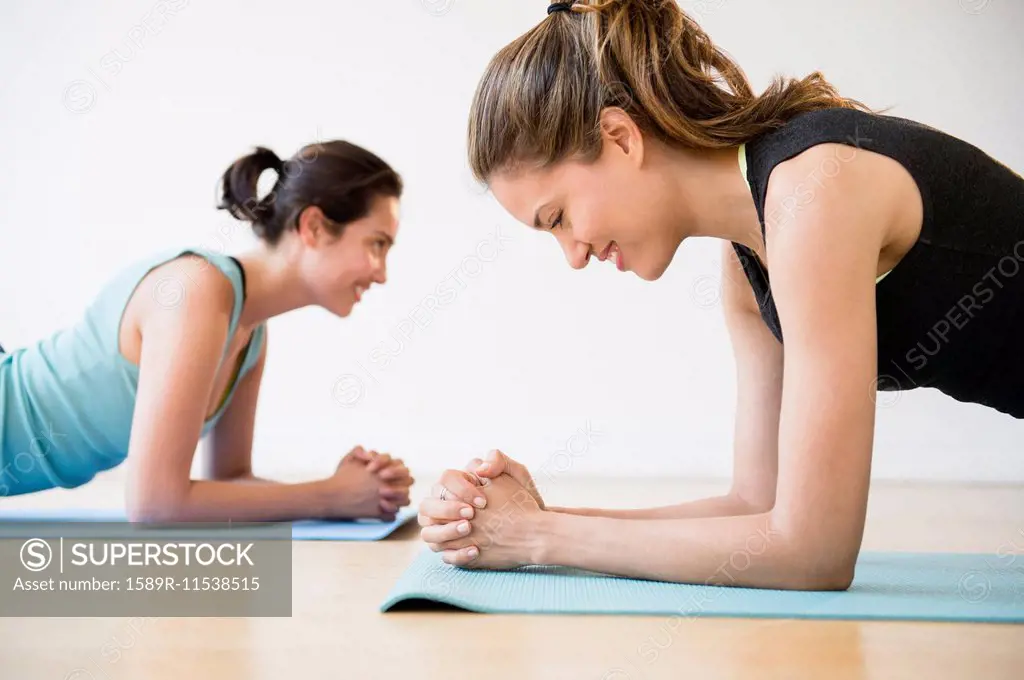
(613, 252)
(360, 289)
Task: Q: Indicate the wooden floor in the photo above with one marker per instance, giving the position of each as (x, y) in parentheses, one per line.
(337, 632)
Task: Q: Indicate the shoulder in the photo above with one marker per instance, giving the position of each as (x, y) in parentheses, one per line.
(187, 288)
(815, 193)
(828, 214)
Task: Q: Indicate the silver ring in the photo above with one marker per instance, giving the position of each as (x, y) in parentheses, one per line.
(443, 494)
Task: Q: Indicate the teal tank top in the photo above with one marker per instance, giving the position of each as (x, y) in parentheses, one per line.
(66, 402)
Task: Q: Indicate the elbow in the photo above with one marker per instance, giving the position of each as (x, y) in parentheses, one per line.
(816, 561)
(822, 566)
(830, 577)
(841, 580)
(155, 509)
(152, 513)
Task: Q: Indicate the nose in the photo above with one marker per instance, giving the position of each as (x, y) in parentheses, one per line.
(577, 253)
(380, 273)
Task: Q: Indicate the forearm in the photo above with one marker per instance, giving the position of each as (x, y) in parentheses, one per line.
(717, 506)
(246, 478)
(246, 500)
(748, 551)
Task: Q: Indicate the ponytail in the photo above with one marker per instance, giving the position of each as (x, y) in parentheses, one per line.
(339, 177)
(240, 188)
(540, 98)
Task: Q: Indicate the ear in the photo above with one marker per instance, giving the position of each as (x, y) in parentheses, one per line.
(620, 130)
(311, 226)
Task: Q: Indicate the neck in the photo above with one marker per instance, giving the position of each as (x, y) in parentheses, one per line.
(273, 284)
(714, 197)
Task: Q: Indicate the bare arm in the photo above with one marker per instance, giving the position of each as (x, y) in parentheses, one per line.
(758, 357)
(714, 506)
(181, 349)
(229, 445)
(823, 265)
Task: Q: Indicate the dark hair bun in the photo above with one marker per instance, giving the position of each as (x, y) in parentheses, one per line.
(240, 186)
(338, 177)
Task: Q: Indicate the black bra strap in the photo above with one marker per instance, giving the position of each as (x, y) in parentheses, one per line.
(241, 270)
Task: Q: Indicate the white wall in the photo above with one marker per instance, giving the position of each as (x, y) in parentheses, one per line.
(110, 155)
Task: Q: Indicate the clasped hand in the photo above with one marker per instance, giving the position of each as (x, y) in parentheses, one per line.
(368, 484)
(483, 517)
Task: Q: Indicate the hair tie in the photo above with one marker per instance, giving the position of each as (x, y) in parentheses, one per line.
(559, 7)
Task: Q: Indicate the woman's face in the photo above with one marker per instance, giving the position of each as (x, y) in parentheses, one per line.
(339, 269)
(615, 208)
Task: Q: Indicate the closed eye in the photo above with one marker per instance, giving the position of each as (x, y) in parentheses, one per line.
(557, 221)
(382, 241)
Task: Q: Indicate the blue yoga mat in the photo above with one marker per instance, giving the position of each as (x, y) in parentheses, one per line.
(897, 586)
(304, 530)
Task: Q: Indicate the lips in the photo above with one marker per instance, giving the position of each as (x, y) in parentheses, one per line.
(617, 255)
(360, 289)
(612, 251)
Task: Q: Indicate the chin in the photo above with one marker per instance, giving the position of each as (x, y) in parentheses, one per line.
(651, 272)
(342, 310)
(655, 268)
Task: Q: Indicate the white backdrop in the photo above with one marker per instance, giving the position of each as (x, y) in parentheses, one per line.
(119, 117)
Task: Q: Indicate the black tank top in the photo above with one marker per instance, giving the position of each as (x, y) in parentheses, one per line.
(950, 315)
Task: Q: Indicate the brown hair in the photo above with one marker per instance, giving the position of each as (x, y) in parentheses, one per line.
(340, 178)
(540, 98)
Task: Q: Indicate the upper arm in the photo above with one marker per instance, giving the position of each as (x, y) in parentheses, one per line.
(229, 452)
(758, 359)
(182, 347)
(823, 263)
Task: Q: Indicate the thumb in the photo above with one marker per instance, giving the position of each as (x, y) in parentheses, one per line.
(494, 463)
(359, 453)
(497, 462)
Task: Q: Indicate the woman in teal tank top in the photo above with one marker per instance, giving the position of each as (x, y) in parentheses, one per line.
(172, 351)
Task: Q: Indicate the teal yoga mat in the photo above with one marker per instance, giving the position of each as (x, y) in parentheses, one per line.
(304, 530)
(894, 585)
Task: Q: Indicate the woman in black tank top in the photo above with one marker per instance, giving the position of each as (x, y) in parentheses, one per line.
(863, 252)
